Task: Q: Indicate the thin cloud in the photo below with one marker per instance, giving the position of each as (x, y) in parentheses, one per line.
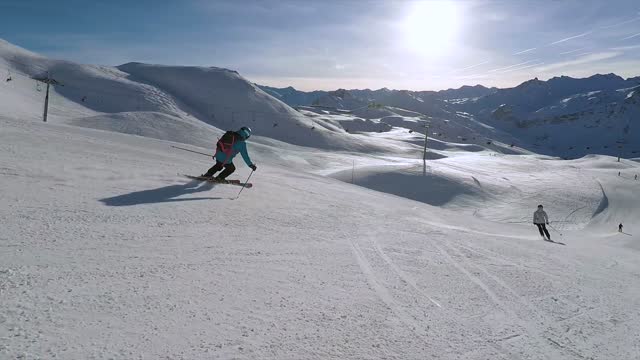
(514, 65)
(472, 77)
(571, 38)
(572, 51)
(620, 23)
(524, 51)
(580, 61)
(631, 37)
(523, 67)
(471, 67)
(623, 48)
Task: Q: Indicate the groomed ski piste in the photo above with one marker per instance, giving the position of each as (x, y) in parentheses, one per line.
(339, 251)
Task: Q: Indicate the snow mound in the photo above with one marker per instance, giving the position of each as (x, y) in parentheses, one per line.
(411, 183)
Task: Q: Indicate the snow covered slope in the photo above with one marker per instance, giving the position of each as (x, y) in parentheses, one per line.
(105, 97)
(207, 92)
(460, 132)
(500, 188)
(106, 253)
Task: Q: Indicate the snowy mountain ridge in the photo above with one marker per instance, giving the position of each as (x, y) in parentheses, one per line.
(554, 87)
(299, 97)
(562, 116)
(213, 99)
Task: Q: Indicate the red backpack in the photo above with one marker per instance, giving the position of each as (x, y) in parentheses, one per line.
(226, 142)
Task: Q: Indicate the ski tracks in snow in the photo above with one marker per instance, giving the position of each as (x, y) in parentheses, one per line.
(385, 295)
(518, 308)
(402, 274)
(447, 313)
(533, 341)
(427, 319)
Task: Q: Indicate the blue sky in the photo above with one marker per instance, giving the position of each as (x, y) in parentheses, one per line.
(419, 45)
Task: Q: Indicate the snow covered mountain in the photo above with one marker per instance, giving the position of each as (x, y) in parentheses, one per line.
(534, 94)
(466, 92)
(563, 116)
(293, 97)
(205, 100)
(340, 99)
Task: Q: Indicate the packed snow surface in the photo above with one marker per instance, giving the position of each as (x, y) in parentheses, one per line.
(107, 253)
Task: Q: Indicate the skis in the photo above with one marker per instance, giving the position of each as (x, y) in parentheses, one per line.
(212, 180)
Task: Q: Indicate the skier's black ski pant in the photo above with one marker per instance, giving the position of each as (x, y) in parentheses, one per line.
(229, 168)
(543, 230)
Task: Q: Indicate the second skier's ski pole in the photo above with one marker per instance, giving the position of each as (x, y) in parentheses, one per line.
(245, 184)
(554, 229)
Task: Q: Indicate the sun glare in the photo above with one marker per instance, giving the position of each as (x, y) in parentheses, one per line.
(431, 27)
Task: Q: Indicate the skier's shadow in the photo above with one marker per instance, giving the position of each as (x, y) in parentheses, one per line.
(555, 242)
(164, 194)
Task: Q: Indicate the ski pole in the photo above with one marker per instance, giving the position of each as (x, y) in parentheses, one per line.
(193, 151)
(556, 230)
(245, 184)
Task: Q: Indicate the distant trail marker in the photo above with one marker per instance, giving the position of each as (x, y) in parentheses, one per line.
(353, 170)
(424, 151)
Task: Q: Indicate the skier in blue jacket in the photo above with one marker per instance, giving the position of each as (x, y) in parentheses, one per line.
(229, 145)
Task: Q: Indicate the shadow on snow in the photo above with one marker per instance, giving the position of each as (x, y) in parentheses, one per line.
(160, 195)
(555, 242)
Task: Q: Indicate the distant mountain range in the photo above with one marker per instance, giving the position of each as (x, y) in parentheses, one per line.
(562, 116)
(530, 95)
(349, 99)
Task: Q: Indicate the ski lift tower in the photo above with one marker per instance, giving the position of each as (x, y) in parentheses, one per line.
(49, 81)
(424, 151)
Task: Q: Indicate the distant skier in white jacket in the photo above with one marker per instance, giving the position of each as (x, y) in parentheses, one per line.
(540, 218)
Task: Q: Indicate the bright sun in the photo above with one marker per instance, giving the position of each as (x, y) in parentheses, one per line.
(432, 27)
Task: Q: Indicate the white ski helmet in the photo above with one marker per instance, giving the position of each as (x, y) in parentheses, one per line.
(245, 132)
